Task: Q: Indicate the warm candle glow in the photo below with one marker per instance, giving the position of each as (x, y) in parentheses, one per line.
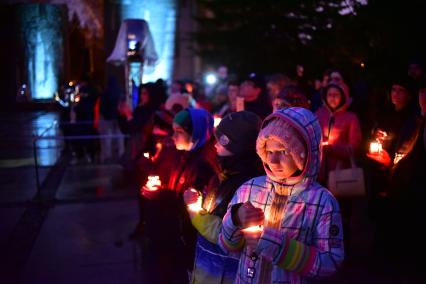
(375, 147)
(398, 157)
(196, 206)
(153, 183)
(253, 229)
(217, 120)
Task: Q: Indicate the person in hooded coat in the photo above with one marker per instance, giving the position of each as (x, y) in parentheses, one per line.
(236, 147)
(341, 132)
(302, 236)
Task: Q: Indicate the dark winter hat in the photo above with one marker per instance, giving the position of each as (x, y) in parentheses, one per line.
(183, 118)
(238, 131)
(405, 81)
(257, 80)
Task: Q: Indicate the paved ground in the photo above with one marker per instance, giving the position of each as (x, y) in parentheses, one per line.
(76, 230)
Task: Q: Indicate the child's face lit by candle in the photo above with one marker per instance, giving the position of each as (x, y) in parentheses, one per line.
(181, 138)
(279, 160)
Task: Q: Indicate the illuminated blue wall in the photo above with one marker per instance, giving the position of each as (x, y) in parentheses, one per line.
(41, 29)
(161, 18)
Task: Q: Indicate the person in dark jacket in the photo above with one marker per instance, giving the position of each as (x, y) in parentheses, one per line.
(406, 196)
(253, 90)
(396, 131)
(171, 230)
(236, 148)
(139, 123)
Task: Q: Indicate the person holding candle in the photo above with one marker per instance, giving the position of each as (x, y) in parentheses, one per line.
(197, 168)
(236, 149)
(341, 132)
(302, 234)
(406, 196)
(396, 130)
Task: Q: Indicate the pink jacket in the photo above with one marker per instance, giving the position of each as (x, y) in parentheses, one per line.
(342, 131)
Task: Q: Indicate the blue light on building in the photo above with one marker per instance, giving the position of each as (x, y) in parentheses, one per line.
(41, 29)
(161, 18)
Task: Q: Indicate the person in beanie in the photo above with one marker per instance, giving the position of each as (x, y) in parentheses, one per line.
(401, 165)
(253, 90)
(298, 224)
(395, 129)
(236, 148)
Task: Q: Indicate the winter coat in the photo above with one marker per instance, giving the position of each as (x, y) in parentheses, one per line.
(197, 169)
(213, 265)
(308, 240)
(342, 133)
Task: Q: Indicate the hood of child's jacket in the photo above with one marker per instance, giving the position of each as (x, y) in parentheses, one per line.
(202, 127)
(307, 125)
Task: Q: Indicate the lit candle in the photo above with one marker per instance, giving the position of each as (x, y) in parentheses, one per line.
(375, 147)
(153, 183)
(197, 205)
(253, 229)
(217, 120)
(398, 157)
(146, 155)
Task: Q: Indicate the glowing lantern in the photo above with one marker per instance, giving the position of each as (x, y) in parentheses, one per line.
(375, 147)
(196, 206)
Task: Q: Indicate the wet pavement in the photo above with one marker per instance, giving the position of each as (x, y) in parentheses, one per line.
(75, 228)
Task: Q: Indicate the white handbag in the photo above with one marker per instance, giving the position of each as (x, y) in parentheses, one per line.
(347, 182)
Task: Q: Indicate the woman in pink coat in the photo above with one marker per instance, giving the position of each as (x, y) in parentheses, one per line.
(340, 129)
(341, 138)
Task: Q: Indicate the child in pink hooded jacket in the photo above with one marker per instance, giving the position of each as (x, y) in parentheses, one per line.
(302, 236)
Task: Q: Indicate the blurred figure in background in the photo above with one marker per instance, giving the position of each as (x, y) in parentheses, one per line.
(290, 96)
(111, 147)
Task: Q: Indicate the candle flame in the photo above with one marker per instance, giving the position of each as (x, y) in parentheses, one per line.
(146, 155)
(398, 157)
(253, 229)
(217, 120)
(153, 183)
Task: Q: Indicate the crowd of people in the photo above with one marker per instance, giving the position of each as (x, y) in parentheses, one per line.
(246, 200)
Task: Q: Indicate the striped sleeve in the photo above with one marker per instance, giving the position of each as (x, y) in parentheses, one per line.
(230, 237)
(286, 253)
(321, 259)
